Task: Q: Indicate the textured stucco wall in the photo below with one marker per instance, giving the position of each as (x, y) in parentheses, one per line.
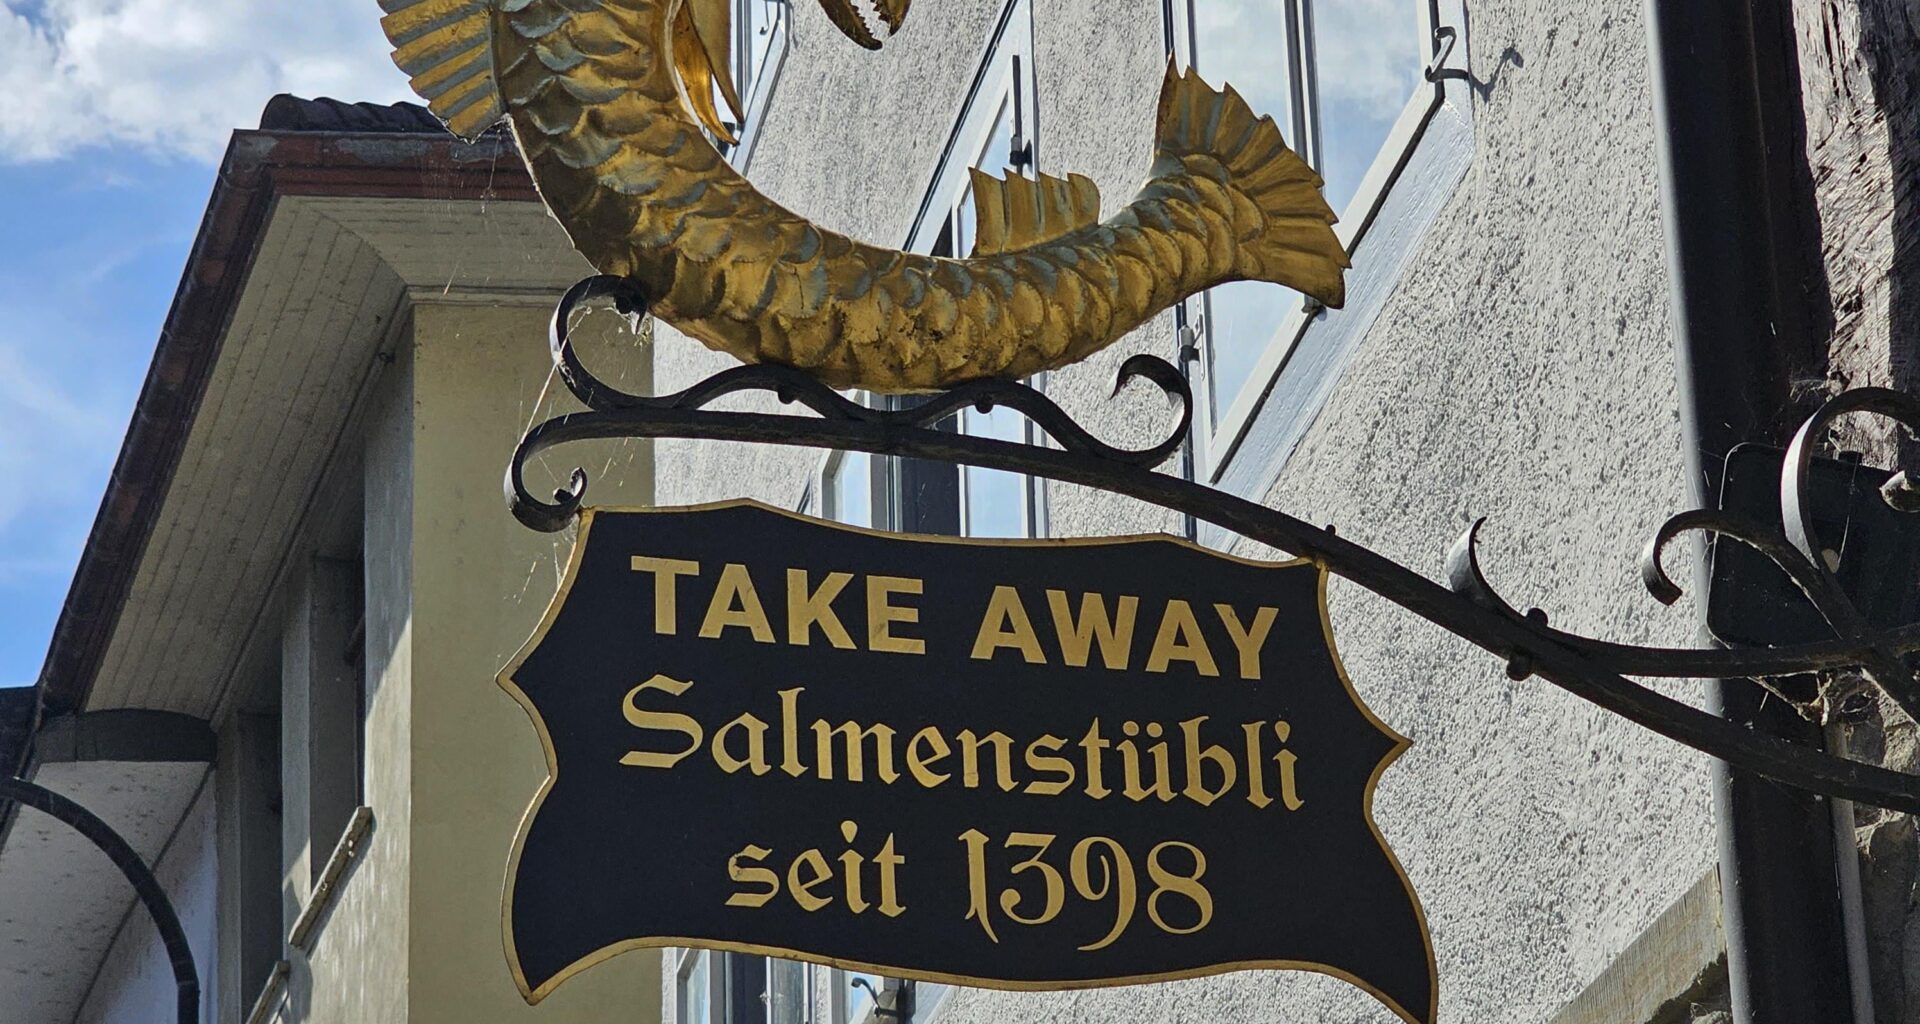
(136, 976)
(1523, 371)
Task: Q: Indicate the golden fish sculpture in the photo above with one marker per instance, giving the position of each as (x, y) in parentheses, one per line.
(612, 103)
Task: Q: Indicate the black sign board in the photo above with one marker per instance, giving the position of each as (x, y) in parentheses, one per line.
(1024, 765)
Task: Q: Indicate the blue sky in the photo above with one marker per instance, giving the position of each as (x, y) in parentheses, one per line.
(118, 111)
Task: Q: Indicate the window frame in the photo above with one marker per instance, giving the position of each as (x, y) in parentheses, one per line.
(1221, 428)
(756, 90)
(683, 970)
(1004, 82)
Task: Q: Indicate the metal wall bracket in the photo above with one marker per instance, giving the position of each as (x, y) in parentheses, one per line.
(1467, 605)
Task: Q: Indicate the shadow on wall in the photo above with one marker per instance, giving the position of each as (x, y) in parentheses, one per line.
(1890, 48)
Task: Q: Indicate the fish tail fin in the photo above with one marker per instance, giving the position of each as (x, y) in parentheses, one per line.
(446, 49)
(1238, 166)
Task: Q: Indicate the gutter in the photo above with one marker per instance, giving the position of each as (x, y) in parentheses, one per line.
(1725, 85)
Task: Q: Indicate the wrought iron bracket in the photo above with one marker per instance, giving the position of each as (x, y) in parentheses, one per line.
(186, 979)
(1467, 605)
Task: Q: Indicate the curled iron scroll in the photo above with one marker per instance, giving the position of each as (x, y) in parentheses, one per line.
(614, 413)
(1467, 605)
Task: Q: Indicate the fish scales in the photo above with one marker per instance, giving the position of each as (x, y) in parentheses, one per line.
(605, 99)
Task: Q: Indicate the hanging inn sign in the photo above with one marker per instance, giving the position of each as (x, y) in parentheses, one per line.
(1035, 765)
(1028, 765)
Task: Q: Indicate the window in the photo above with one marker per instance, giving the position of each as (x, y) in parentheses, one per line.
(735, 988)
(759, 49)
(1347, 83)
(996, 134)
(695, 988)
(847, 488)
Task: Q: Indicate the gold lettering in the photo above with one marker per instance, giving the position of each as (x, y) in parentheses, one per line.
(1077, 638)
(790, 732)
(850, 862)
(1180, 639)
(1132, 788)
(1248, 640)
(882, 614)
(803, 890)
(1040, 762)
(666, 577)
(1166, 881)
(1093, 744)
(752, 876)
(1198, 758)
(1050, 880)
(1256, 766)
(976, 843)
(1006, 624)
(1289, 793)
(921, 767)
(805, 608)
(1116, 877)
(756, 758)
(970, 745)
(736, 604)
(855, 745)
(890, 862)
(666, 720)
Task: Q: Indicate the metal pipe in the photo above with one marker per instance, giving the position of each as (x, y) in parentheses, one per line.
(1734, 332)
(185, 978)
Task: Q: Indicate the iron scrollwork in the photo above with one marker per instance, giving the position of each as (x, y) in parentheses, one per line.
(1467, 605)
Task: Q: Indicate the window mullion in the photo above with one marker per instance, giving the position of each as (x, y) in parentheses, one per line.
(1303, 74)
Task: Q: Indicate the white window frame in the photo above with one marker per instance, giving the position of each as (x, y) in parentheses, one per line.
(689, 961)
(996, 88)
(1221, 429)
(756, 90)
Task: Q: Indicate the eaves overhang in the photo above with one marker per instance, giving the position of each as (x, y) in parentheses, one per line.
(395, 158)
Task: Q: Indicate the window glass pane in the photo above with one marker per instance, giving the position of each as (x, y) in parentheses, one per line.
(1244, 43)
(786, 992)
(1367, 59)
(1242, 321)
(756, 19)
(696, 990)
(996, 500)
(849, 488)
(856, 997)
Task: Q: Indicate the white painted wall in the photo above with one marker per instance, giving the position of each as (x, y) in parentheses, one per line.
(136, 980)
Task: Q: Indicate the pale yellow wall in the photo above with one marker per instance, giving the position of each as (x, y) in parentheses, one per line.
(480, 584)
(357, 971)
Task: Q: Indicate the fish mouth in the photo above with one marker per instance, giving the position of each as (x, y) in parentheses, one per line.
(702, 38)
(852, 22)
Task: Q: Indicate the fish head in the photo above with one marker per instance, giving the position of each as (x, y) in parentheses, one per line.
(703, 50)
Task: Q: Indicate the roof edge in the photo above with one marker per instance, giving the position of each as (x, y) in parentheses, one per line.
(259, 167)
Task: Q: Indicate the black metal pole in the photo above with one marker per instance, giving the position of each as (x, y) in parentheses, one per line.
(186, 979)
(1734, 332)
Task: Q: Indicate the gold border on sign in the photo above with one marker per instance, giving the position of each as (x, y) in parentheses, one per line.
(533, 996)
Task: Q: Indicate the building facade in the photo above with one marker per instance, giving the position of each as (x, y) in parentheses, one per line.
(1507, 351)
(275, 671)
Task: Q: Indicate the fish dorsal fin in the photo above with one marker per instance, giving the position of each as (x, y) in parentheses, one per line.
(1017, 212)
(446, 49)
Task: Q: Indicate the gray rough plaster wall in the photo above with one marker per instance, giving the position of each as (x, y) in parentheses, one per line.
(1860, 85)
(1524, 372)
(850, 139)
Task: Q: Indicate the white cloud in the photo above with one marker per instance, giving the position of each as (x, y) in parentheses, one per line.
(1367, 51)
(175, 78)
